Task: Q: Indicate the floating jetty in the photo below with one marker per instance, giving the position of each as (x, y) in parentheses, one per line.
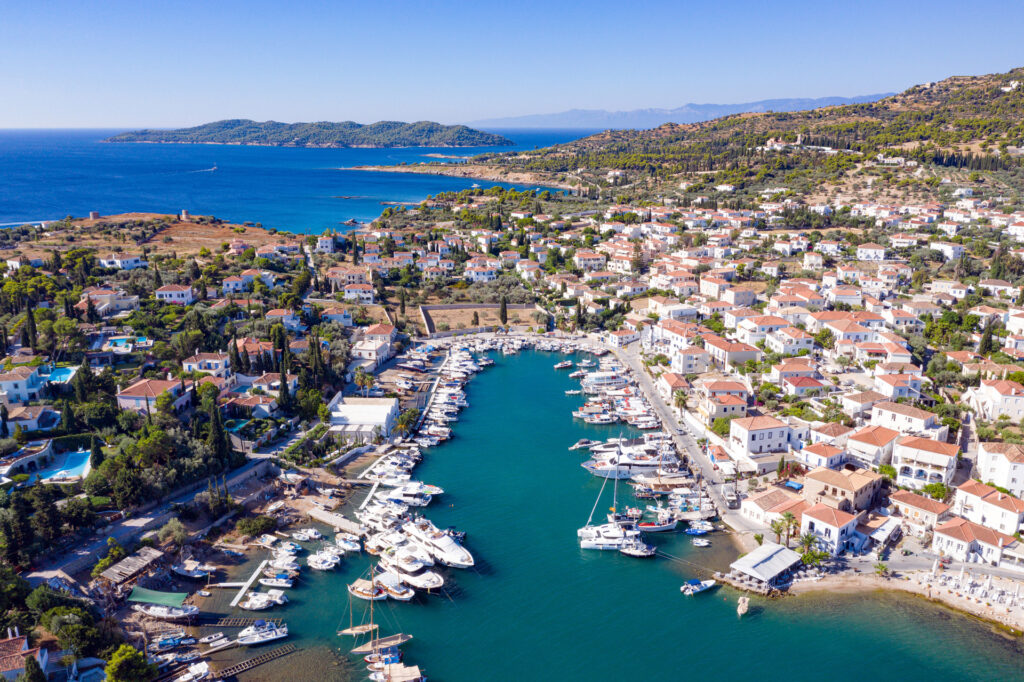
(251, 663)
(242, 622)
(249, 583)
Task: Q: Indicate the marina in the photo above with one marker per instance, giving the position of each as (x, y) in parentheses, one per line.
(516, 501)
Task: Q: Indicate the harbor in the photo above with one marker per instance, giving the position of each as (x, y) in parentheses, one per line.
(521, 499)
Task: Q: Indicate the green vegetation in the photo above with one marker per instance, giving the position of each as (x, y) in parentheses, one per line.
(321, 134)
(257, 525)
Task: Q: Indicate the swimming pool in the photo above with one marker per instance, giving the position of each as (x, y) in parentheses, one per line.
(67, 466)
(234, 426)
(61, 375)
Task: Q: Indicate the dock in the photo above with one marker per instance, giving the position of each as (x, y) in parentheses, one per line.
(251, 663)
(336, 521)
(248, 583)
(369, 496)
(242, 622)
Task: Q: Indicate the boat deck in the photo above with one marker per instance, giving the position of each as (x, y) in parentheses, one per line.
(383, 642)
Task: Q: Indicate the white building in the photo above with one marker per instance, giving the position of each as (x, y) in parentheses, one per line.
(996, 397)
(922, 461)
(1003, 465)
(835, 530)
(357, 419)
(178, 294)
(986, 506)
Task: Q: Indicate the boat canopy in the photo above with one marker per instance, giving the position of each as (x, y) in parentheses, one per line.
(144, 596)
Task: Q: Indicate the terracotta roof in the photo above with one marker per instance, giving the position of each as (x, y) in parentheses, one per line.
(992, 496)
(833, 429)
(929, 445)
(759, 423)
(1013, 452)
(965, 531)
(829, 516)
(919, 501)
(905, 410)
(875, 435)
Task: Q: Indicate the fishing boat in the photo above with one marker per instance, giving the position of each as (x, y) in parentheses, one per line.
(262, 631)
(367, 590)
(211, 638)
(565, 364)
(276, 582)
(742, 605)
(695, 531)
(161, 612)
(692, 587)
(322, 561)
(665, 522)
(192, 569)
(701, 542)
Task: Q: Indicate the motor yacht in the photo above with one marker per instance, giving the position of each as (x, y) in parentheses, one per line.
(692, 587)
(611, 536)
(441, 545)
(262, 631)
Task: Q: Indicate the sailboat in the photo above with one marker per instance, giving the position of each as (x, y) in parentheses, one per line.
(613, 535)
(375, 644)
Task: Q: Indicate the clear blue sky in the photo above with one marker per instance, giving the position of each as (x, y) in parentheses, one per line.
(166, 63)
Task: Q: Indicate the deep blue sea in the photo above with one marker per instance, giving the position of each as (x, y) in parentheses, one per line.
(49, 174)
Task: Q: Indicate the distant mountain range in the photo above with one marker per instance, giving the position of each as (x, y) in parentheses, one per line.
(321, 134)
(599, 119)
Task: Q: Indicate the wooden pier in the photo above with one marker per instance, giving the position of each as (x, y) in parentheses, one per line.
(247, 584)
(242, 622)
(251, 663)
(369, 496)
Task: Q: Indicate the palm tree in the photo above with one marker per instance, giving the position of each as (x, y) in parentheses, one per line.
(792, 525)
(882, 570)
(778, 526)
(680, 400)
(807, 542)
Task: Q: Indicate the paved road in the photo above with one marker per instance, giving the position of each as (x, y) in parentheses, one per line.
(684, 441)
(125, 529)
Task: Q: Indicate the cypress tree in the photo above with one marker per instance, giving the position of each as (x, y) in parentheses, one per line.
(96, 453)
(236, 362)
(503, 311)
(30, 325)
(4, 430)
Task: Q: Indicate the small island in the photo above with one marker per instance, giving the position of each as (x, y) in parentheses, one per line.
(322, 134)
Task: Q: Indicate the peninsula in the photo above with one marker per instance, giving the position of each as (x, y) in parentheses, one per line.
(322, 134)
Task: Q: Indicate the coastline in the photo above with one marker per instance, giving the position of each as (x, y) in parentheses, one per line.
(1007, 619)
(313, 146)
(469, 172)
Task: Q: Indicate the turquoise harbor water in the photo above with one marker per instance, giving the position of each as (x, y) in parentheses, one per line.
(48, 174)
(538, 608)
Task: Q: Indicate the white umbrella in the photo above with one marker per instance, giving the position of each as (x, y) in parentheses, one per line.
(1016, 589)
(961, 574)
(935, 566)
(988, 582)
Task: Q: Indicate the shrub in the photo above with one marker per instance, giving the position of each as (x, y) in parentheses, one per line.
(256, 525)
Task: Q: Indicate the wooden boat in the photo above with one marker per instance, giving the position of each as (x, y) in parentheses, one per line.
(381, 643)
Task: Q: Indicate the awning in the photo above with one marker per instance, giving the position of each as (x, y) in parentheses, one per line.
(141, 594)
(882, 533)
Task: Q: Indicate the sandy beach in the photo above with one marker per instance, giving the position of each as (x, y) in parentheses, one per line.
(923, 584)
(472, 172)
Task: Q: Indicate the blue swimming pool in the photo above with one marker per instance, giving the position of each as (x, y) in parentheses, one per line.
(237, 425)
(61, 375)
(66, 466)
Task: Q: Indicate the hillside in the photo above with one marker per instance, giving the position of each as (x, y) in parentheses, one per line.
(320, 134)
(974, 122)
(600, 119)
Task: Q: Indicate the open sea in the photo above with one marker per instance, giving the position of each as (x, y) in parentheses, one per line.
(49, 174)
(536, 607)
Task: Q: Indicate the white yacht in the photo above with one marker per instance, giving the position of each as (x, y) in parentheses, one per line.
(262, 631)
(276, 582)
(441, 545)
(610, 536)
(284, 564)
(323, 561)
(392, 584)
(410, 570)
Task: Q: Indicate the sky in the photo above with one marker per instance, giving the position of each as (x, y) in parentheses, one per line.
(167, 63)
